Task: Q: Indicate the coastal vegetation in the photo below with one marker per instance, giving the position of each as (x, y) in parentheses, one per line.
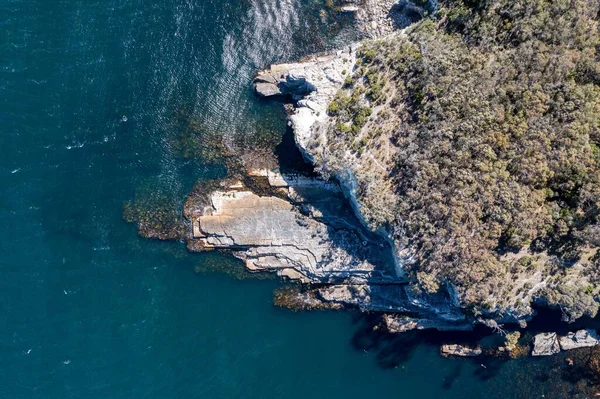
(476, 140)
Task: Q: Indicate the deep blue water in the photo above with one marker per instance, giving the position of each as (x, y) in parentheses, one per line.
(89, 96)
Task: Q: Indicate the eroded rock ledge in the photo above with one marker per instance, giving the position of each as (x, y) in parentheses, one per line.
(299, 236)
(312, 84)
(303, 229)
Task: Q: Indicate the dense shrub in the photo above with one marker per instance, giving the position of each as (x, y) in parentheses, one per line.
(496, 144)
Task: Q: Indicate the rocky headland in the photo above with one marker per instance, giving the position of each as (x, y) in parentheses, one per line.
(396, 221)
(303, 229)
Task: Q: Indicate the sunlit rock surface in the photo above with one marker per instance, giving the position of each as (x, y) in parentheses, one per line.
(545, 344)
(460, 350)
(300, 234)
(579, 339)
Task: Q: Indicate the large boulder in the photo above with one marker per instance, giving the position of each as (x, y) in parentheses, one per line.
(288, 79)
(579, 339)
(545, 344)
(266, 89)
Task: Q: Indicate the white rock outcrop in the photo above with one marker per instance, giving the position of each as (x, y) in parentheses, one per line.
(460, 350)
(545, 344)
(313, 84)
(579, 339)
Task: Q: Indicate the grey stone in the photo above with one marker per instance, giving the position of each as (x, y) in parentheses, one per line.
(545, 344)
(579, 339)
(264, 89)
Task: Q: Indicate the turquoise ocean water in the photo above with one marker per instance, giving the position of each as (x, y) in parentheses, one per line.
(91, 98)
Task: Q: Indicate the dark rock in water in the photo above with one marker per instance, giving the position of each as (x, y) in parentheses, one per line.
(296, 298)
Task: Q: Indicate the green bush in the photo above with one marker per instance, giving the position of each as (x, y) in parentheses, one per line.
(362, 116)
(333, 108)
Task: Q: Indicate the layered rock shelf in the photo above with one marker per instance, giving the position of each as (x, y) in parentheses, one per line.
(272, 234)
(460, 350)
(303, 229)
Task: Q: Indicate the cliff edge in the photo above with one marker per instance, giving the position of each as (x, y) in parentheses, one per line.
(469, 141)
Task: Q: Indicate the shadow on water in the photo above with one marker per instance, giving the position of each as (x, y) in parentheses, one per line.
(290, 158)
(553, 320)
(394, 350)
(569, 374)
(489, 367)
(391, 350)
(451, 378)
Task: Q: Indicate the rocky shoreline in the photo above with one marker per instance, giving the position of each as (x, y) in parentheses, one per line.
(288, 230)
(376, 18)
(296, 233)
(304, 230)
(311, 230)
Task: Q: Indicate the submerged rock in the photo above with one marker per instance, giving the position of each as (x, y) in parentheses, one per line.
(545, 344)
(295, 298)
(579, 339)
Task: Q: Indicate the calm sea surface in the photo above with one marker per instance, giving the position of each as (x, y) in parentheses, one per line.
(91, 98)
